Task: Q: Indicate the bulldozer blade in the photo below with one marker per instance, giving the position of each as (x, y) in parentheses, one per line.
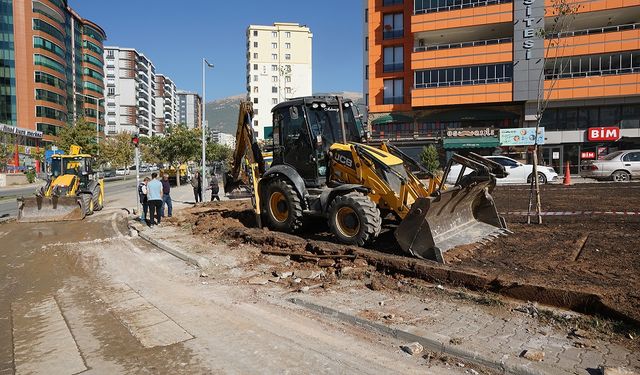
(44, 209)
(459, 216)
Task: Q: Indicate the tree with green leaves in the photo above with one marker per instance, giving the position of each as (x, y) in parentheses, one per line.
(7, 149)
(118, 150)
(217, 152)
(430, 159)
(82, 134)
(150, 150)
(179, 146)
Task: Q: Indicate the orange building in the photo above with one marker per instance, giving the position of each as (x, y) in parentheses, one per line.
(53, 68)
(433, 67)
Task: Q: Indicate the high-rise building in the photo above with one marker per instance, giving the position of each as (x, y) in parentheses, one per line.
(189, 109)
(51, 68)
(131, 87)
(166, 103)
(438, 66)
(278, 68)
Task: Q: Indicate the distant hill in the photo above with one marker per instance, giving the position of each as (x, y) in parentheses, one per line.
(223, 113)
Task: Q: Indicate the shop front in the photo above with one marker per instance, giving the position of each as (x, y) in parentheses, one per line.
(24, 147)
(482, 141)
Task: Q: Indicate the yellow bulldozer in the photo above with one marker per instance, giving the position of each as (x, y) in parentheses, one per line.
(73, 191)
(322, 168)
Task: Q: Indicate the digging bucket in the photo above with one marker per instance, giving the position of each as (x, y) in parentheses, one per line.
(458, 216)
(44, 209)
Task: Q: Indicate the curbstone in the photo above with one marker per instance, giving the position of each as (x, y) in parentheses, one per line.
(7, 220)
(195, 260)
(437, 343)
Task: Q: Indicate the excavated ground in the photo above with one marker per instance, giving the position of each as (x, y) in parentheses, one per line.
(588, 263)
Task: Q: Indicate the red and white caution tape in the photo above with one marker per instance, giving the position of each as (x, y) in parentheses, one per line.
(573, 213)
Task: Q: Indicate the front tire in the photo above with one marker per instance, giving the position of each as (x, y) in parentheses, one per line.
(542, 179)
(354, 219)
(621, 176)
(283, 207)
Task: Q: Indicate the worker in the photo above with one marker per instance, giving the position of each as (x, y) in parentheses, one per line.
(142, 193)
(214, 186)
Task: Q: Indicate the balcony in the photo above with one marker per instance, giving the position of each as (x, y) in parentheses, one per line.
(457, 95)
(594, 86)
(390, 68)
(392, 34)
(588, 6)
(393, 100)
(474, 13)
(596, 41)
(386, 3)
(433, 6)
(463, 53)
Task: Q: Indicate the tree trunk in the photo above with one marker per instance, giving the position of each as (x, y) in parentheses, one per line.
(178, 175)
(537, 182)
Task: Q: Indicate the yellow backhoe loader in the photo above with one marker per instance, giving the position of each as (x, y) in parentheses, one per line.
(322, 168)
(72, 192)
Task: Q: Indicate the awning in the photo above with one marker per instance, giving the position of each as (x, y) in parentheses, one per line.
(392, 118)
(470, 142)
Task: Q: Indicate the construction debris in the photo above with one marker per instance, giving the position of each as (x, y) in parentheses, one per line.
(412, 348)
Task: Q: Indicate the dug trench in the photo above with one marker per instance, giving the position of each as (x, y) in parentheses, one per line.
(588, 264)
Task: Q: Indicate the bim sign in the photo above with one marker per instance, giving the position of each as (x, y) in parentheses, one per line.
(603, 134)
(587, 155)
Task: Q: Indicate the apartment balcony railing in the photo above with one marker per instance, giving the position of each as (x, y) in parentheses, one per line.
(593, 31)
(393, 100)
(595, 73)
(392, 34)
(432, 6)
(481, 81)
(391, 2)
(477, 43)
(397, 67)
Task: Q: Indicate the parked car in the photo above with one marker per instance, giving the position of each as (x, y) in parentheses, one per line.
(109, 173)
(518, 173)
(122, 172)
(619, 166)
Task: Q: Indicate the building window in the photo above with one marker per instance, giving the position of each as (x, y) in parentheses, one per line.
(391, 2)
(110, 54)
(274, 101)
(287, 56)
(46, 27)
(111, 91)
(366, 99)
(287, 90)
(393, 27)
(255, 111)
(274, 78)
(366, 15)
(593, 65)
(255, 123)
(366, 43)
(393, 59)
(255, 100)
(274, 45)
(48, 62)
(274, 56)
(287, 79)
(255, 78)
(255, 89)
(274, 90)
(430, 6)
(287, 45)
(255, 55)
(255, 44)
(274, 68)
(255, 32)
(274, 34)
(255, 66)
(467, 75)
(393, 91)
(287, 34)
(366, 72)
(48, 46)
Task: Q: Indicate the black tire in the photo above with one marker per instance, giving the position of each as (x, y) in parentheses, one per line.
(542, 179)
(354, 219)
(87, 203)
(98, 199)
(283, 207)
(621, 176)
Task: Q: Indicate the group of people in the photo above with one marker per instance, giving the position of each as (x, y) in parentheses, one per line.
(155, 194)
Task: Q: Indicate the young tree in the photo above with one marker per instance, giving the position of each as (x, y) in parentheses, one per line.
(82, 134)
(150, 150)
(7, 149)
(179, 146)
(430, 159)
(117, 150)
(563, 13)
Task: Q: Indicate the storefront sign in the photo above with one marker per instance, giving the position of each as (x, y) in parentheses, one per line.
(602, 151)
(521, 137)
(4, 128)
(610, 133)
(529, 32)
(471, 132)
(587, 155)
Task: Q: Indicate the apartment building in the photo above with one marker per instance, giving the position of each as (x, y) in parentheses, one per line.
(225, 139)
(436, 67)
(51, 70)
(166, 97)
(189, 109)
(279, 67)
(131, 85)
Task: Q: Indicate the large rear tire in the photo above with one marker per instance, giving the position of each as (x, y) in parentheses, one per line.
(98, 199)
(87, 203)
(283, 207)
(354, 219)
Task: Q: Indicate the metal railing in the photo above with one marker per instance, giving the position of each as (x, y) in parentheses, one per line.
(393, 100)
(607, 72)
(392, 34)
(391, 2)
(426, 6)
(397, 67)
(483, 81)
(592, 31)
(476, 43)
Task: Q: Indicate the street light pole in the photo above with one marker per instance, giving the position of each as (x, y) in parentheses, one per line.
(97, 116)
(205, 64)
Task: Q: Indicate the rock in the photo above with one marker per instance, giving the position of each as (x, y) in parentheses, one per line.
(580, 333)
(325, 262)
(533, 355)
(283, 274)
(412, 348)
(381, 303)
(375, 285)
(205, 283)
(202, 274)
(308, 274)
(473, 372)
(440, 287)
(297, 280)
(629, 336)
(304, 289)
(617, 371)
(459, 364)
(359, 262)
(389, 316)
(274, 279)
(258, 281)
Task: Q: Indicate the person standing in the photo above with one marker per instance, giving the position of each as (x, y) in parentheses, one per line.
(142, 193)
(154, 199)
(214, 187)
(196, 182)
(166, 196)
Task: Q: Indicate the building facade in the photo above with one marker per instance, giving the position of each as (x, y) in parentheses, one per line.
(437, 67)
(166, 97)
(189, 109)
(51, 68)
(279, 67)
(131, 86)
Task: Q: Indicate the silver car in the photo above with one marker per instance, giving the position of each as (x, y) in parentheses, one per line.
(619, 166)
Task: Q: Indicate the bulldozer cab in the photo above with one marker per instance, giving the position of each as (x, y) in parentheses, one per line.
(76, 165)
(304, 130)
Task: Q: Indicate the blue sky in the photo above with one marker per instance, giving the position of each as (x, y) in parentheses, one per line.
(175, 35)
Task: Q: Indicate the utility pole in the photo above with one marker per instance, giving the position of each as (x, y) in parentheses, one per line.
(205, 64)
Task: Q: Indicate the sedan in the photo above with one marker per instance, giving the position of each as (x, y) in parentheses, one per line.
(619, 166)
(518, 173)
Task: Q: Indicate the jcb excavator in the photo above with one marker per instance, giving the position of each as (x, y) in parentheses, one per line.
(322, 168)
(72, 192)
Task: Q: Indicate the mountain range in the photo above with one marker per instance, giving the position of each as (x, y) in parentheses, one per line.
(222, 114)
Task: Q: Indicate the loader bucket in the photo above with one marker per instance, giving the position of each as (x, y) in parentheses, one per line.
(236, 189)
(43, 209)
(458, 216)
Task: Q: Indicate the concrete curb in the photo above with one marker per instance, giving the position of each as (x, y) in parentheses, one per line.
(435, 342)
(7, 219)
(195, 260)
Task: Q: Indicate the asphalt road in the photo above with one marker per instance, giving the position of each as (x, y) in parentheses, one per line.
(9, 207)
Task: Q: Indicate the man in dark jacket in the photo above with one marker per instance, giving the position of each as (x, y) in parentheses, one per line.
(142, 194)
(166, 197)
(214, 187)
(196, 182)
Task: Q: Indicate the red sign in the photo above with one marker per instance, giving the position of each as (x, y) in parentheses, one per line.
(587, 155)
(610, 133)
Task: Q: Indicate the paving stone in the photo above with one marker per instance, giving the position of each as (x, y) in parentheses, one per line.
(618, 371)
